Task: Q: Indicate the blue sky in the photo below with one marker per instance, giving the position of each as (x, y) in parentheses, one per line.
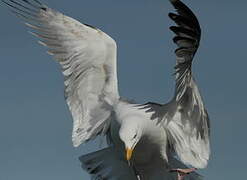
(35, 125)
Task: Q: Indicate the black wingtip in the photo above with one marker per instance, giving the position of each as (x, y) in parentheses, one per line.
(173, 28)
(173, 16)
(188, 31)
(44, 8)
(173, 1)
(185, 11)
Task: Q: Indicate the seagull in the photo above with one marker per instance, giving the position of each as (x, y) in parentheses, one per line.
(146, 141)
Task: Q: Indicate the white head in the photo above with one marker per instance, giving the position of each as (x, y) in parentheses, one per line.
(130, 133)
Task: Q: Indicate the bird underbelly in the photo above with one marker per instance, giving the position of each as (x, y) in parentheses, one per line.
(149, 162)
(145, 151)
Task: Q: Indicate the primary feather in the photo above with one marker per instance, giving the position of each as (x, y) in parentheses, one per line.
(88, 60)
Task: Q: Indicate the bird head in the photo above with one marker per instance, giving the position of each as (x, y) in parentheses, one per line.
(130, 135)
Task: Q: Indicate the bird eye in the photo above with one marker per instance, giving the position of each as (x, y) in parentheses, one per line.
(135, 136)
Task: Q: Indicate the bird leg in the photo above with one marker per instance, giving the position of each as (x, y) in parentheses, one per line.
(183, 172)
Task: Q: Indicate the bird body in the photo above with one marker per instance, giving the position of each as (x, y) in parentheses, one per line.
(131, 117)
(151, 135)
(152, 158)
(149, 160)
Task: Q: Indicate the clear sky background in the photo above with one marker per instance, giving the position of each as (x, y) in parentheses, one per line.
(35, 123)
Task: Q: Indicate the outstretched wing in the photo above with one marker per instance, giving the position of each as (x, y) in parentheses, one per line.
(88, 60)
(189, 126)
(185, 118)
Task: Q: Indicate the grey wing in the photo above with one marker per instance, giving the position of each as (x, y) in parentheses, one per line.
(189, 126)
(88, 60)
(107, 164)
(185, 117)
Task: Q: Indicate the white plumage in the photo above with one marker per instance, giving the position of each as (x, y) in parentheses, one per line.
(88, 58)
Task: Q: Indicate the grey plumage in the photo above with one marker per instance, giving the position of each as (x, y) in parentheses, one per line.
(88, 59)
(107, 164)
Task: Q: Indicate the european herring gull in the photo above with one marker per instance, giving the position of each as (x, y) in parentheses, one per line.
(152, 136)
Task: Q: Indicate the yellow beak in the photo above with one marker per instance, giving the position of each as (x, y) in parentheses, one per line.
(129, 153)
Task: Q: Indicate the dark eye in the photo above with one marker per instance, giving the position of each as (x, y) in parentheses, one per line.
(135, 136)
